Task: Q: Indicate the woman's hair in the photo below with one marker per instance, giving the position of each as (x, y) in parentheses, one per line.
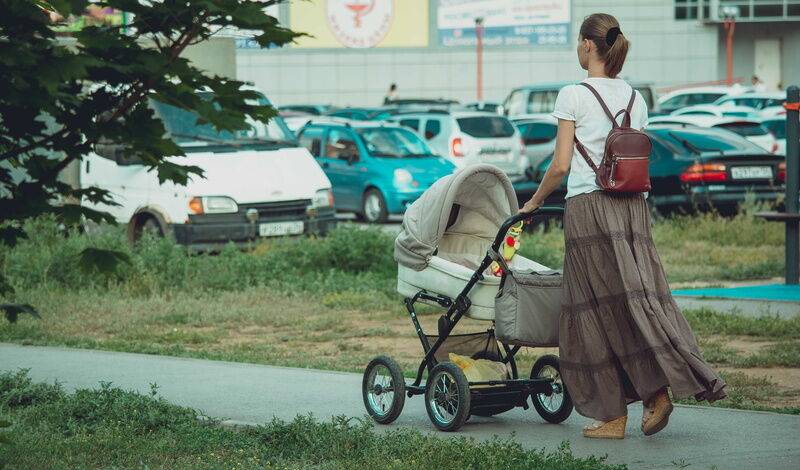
(612, 46)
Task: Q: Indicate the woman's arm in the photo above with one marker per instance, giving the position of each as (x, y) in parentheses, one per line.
(565, 142)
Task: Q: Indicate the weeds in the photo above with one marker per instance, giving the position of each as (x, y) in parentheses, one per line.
(109, 427)
(707, 322)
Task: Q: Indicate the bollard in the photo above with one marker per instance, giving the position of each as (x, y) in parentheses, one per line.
(792, 185)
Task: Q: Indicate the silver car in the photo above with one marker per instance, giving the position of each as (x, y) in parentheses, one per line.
(539, 134)
(471, 137)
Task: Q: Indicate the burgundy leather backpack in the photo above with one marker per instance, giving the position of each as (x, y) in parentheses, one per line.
(626, 160)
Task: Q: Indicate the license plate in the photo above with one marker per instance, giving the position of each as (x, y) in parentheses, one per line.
(494, 157)
(751, 172)
(277, 229)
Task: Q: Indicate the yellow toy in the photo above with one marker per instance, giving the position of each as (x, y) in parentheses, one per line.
(509, 247)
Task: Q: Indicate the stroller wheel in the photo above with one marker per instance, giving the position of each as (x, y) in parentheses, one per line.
(447, 397)
(557, 406)
(383, 389)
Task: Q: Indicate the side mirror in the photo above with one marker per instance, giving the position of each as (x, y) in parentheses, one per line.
(116, 152)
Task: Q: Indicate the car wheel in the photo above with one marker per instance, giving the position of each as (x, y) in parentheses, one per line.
(147, 226)
(373, 207)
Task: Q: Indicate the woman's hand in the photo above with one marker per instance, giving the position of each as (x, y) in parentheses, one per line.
(530, 206)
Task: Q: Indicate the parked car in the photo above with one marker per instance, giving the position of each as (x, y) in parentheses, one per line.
(295, 120)
(749, 128)
(539, 136)
(696, 96)
(256, 183)
(698, 169)
(777, 125)
(313, 109)
(376, 169)
(541, 99)
(765, 103)
(469, 137)
(487, 106)
(364, 114)
(714, 110)
(423, 102)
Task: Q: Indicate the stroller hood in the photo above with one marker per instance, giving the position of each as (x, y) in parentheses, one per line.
(473, 203)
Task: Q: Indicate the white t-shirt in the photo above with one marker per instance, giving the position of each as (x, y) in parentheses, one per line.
(577, 103)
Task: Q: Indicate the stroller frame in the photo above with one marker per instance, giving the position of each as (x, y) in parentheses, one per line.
(502, 392)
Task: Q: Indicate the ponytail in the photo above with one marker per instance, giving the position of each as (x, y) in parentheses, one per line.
(612, 45)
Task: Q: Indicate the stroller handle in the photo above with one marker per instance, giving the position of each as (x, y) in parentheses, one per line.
(515, 219)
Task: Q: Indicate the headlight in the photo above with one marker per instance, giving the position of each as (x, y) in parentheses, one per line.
(212, 205)
(402, 177)
(322, 198)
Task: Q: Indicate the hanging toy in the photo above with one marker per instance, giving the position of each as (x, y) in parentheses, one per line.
(509, 247)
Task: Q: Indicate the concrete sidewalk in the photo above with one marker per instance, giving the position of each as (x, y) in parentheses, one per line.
(247, 393)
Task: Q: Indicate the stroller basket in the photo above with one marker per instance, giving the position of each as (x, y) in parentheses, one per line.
(475, 345)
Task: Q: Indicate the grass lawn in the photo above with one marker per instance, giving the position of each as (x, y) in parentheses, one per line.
(330, 303)
(112, 428)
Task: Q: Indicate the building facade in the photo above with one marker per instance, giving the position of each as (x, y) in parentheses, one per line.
(428, 47)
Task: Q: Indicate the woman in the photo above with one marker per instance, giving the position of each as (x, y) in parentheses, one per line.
(622, 338)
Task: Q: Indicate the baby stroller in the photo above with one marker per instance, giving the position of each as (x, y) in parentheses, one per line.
(450, 236)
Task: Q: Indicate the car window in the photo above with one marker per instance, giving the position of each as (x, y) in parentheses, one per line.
(542, 101)
(660, 151)
(745, 129)
(540, 133)
(410, 123)
(777, 127)
(340, 145)
(516, 103)
(185, 126)
(432, 128)
(703, 98)
(486, 126)
(311, 138)
(393, 142)
(676, 101)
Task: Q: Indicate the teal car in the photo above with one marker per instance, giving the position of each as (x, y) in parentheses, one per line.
(376, 169)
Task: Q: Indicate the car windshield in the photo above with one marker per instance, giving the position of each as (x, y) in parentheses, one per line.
(777, 127)
(690, 141)
(393, 142)
(745, 129)
(185, 129)
(486, 126)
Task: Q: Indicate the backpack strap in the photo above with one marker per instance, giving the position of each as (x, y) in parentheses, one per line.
(626, 120)
(602, 103)
(582, 150)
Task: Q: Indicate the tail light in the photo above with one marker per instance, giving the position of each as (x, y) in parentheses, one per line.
(774, 147)
(705, 173)
(522, 149)
(782, 172)
(457, 147)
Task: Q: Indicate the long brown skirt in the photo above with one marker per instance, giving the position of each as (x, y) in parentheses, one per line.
(622, 338)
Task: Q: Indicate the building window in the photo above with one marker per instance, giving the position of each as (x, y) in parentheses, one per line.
(686, 9)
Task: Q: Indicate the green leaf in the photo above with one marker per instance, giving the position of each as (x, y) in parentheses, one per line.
(104, 261)
(12, 311)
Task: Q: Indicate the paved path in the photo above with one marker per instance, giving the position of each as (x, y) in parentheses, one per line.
(248, 393)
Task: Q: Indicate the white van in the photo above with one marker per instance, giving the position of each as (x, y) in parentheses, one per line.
(257, 183)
